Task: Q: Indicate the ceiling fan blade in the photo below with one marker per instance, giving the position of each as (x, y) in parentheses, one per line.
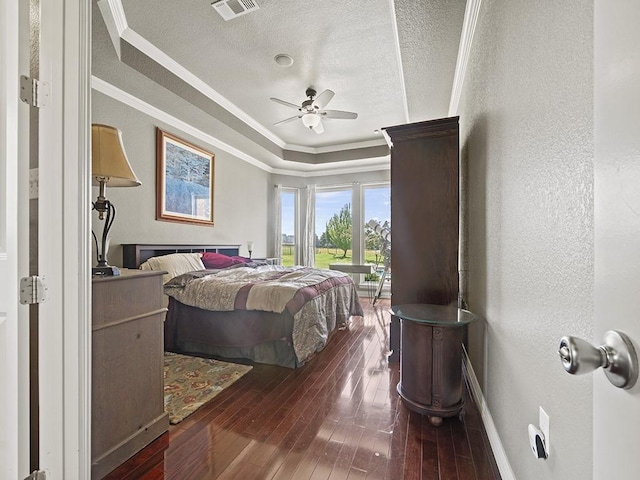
(287, 120)
(323, 99)
(318, 128)
(338, 114)
(286, 104)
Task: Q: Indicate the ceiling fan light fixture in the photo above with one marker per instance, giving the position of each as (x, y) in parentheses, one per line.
(310, 120)
(283, 60)
(312, 111)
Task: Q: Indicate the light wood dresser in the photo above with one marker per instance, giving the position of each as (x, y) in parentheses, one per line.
(127, 367)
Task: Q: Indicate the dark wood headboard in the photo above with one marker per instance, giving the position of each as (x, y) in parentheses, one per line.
(133, 254)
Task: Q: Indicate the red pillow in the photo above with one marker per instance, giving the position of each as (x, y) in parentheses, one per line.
(218, 260)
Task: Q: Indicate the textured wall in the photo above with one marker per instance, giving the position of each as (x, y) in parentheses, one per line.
(240, 191)
(428, 34)
(527, 256)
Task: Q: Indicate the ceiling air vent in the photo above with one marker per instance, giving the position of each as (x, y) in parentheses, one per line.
(229, 9)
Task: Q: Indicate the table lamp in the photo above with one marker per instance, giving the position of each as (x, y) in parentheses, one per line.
(109, 166)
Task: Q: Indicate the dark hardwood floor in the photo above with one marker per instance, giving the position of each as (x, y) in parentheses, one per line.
(337, 417)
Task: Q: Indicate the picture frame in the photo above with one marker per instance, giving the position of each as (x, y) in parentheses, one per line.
(184, 181)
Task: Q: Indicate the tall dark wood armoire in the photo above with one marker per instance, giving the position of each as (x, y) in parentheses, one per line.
(424, 216)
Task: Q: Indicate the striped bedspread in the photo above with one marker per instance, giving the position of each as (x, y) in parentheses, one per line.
(319, 300)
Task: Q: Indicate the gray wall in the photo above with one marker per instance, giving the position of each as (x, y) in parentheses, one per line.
(240, 190)
(527, 159)
(241, 193)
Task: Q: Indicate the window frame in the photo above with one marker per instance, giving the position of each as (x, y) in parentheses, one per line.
(357, 189)
(338, 188)
(363, 220)
(296, 220)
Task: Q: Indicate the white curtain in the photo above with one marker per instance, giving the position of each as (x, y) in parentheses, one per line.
(277, 241)
(308, 233)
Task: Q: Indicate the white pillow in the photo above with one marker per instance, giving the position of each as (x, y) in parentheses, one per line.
(174, 264)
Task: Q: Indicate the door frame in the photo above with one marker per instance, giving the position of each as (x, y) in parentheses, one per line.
(14, 328)
(64, 241)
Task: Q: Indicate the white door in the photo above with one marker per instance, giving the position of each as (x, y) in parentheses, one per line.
(617, 227)
(14, 380)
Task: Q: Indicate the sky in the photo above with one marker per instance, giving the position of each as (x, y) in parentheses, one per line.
(377, 205)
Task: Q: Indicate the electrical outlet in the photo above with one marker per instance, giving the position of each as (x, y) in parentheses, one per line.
(544, 428)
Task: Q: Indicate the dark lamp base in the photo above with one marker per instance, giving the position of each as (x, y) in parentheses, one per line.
(108, 271)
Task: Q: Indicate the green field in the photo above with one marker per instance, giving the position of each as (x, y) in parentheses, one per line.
(325, 256)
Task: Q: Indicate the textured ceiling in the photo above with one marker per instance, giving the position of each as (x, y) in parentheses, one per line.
(391, 62)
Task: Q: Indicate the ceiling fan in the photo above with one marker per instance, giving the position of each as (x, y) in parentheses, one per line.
(312, 110)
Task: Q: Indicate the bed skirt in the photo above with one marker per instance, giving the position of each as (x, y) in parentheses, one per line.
(262, 337)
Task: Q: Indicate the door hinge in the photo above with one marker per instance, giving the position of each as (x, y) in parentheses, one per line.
(34, 92)
(37, 475)
(33, 290)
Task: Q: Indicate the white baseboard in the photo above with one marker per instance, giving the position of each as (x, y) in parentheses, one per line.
(494, 439)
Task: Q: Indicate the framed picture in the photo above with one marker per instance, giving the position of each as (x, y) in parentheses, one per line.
(184, 181)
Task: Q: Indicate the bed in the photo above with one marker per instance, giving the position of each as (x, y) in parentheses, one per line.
(224, 305)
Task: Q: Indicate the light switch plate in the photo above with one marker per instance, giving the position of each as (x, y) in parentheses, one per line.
(544, 428)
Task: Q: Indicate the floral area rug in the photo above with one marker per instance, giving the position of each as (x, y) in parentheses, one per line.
(190, 382)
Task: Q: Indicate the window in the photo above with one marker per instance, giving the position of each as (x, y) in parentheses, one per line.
(333, 226)
(340, 216)
(289, 226)
(377, 207)
(376, 235)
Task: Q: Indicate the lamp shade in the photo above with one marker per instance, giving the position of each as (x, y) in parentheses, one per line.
(108, 159)
(310, 120)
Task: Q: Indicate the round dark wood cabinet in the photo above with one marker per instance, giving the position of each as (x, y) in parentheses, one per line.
(431, 339)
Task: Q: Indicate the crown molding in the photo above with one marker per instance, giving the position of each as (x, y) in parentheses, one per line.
(117, 25)
(115, 21)
(471, 13)
(132, 101)
(333, 148)
(396, 36)
(114, 15)
(284, 167)
(340, 168)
